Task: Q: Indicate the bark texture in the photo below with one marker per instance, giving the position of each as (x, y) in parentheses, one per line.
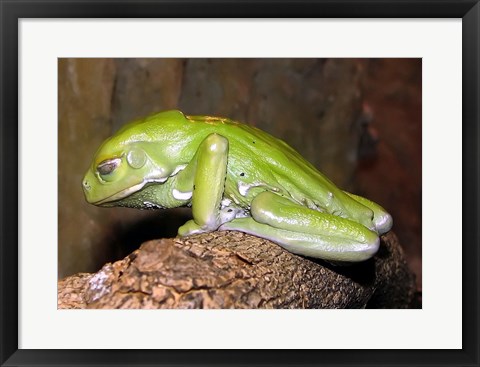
(236, 270)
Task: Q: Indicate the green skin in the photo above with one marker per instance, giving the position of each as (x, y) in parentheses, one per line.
(235, 177)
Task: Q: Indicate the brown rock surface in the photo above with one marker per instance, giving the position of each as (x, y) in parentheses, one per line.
(236, 270)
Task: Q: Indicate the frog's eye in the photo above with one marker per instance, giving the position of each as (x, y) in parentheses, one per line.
(108, 166)
(136, 158)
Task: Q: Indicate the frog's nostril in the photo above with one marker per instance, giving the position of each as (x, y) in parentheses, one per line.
(86, 185)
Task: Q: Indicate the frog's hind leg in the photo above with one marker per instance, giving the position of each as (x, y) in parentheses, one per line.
(306, 231)
(382, 221)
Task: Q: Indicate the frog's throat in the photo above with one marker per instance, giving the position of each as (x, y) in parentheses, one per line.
(129, 191)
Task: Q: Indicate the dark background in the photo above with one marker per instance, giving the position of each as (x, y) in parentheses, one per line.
(357, 120)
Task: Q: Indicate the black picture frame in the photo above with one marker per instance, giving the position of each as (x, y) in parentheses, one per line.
(12, 11)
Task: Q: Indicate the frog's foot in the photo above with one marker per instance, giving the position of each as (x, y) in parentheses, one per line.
(305, 231)
(216, 219)
(382, 221)
(191, 227)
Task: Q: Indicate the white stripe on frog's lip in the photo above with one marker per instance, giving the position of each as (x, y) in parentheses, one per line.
(181, 195)
(129, 191)
(121, 194)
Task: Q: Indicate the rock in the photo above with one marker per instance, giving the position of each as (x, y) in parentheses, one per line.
(236, 270)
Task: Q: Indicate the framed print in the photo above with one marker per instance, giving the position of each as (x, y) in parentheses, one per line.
(73, 72)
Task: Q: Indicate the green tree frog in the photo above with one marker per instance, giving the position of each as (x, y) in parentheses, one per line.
(235, 177)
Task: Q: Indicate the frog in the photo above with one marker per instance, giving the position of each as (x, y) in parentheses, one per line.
(235, 177)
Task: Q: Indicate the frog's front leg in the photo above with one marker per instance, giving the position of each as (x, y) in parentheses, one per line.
(205, 175)
(306, 231)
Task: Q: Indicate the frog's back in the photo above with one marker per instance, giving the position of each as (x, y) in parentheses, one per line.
(261, 154)
(256, 156)
(249, 137)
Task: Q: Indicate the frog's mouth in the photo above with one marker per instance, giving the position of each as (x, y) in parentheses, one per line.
(121, 194)
(126, 192)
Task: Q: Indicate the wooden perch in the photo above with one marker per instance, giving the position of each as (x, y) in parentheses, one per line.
(236, 270)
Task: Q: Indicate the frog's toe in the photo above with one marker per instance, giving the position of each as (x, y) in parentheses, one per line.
(190, 228)
(383, 223)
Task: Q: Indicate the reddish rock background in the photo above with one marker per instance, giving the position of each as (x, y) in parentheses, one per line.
(393, 93)
(357, 120)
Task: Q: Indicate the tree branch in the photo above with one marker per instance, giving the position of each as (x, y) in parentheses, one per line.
(236, 270)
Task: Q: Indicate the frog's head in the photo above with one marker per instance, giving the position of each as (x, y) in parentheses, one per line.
(138, 154)
(120, 169)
